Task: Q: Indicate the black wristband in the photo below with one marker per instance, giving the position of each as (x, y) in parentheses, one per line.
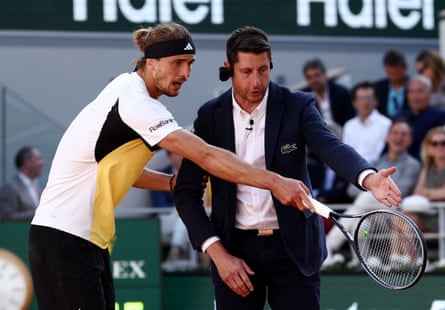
(171, 182)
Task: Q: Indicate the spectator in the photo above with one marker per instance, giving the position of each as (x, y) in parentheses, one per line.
(179, 244)
(391, 91)
(366, 132)
(179, 248)
(430, 185)
(333, 100)
(20, 196)
(164, 198)
(260, 247)
(181, 255)
(420, 115)
(398, 140)
(431, 64)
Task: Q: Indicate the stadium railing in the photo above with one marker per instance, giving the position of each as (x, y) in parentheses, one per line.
(438, 236)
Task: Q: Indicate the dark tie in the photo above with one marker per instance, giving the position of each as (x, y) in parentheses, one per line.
(394, 107)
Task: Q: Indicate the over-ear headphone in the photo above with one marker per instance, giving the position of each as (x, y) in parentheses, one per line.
(225, 74)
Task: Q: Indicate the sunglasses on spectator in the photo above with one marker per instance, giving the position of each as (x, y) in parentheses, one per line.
(437, 143)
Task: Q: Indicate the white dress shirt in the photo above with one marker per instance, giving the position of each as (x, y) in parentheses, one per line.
(255, 208)
(325, 106)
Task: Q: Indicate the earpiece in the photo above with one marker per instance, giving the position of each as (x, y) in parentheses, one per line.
(224, 73)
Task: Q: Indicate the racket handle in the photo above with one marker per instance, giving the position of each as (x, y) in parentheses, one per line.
(321, 209)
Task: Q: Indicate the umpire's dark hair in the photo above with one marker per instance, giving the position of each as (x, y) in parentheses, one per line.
(23, 154)
(314, 63)
(364, 84)
(247, 39)
(394, 58)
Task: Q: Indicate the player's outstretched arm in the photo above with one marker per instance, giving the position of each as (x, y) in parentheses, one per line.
(229, 167)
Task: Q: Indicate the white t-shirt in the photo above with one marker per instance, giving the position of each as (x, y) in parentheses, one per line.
(100, 156)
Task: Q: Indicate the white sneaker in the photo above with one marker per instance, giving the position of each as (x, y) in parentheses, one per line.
(353, 264)
(400, 260)
(332, 260)
(439, 265)
(374, 262)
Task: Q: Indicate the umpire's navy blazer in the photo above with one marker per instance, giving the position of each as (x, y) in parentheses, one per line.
(292, 121)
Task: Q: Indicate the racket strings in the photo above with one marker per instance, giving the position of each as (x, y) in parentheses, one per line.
(391, 248)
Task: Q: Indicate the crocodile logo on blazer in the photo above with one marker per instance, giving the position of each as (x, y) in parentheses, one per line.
(287, 148)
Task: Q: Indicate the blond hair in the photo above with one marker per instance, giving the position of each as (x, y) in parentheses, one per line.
(426, 156)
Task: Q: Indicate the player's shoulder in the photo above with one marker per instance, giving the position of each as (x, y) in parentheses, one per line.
(131, 83)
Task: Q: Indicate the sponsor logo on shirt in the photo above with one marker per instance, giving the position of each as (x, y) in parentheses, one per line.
(161, 124)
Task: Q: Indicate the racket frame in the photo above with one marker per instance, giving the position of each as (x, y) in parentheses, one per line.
(332, 215)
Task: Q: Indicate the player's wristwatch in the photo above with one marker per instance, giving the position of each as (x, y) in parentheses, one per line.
(15, 282)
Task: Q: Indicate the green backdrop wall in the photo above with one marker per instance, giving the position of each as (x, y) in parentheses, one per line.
(140, 285)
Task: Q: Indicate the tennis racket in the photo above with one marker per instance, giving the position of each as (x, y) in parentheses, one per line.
(388, 244)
